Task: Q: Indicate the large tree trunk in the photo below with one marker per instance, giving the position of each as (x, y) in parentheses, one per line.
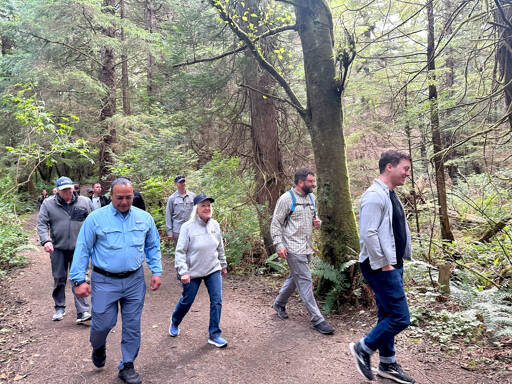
(124, 67)
(448, 135)
(108, 78)
(324, 121)
(267, 160)
(503, 17)
(7, 45)
(446, 232)
(268, 164)
(150, 24)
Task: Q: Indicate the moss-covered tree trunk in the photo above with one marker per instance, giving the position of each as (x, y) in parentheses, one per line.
(324, 119)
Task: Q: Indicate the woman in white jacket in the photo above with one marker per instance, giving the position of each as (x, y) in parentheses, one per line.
(200, 256)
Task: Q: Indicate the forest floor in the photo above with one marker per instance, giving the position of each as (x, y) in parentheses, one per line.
(262, 348)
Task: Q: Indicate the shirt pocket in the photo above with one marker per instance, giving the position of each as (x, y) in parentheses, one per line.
(78, 214)
(113, 238)
(137, 236)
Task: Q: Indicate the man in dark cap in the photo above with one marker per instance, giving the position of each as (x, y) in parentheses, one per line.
(179, 207)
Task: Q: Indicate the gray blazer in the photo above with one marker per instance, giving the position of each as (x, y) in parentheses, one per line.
(376, 227)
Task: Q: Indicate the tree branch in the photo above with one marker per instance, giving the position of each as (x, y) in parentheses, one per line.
(240, 49)
(63, 44)
(502, 14)
(267, 94)
(258, 55)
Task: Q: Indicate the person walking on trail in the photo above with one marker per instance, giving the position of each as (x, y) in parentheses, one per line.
(385, 243)
(98, 200)
(179, 207)
(116, 238)
(44, 195)
(200, 256)
(63, 216)
(292, 233)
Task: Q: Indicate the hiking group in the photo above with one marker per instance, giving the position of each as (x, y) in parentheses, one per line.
(115, 237)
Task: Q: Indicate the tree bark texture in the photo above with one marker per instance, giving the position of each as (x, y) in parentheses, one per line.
(267, 160)
(150, 24)
(108, 79)
(124, 67)
(438, 160)
(503, 17)
(324, 120)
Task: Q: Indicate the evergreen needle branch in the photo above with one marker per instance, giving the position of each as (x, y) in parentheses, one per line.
(63, 44)
(270, 32)
(258, 55)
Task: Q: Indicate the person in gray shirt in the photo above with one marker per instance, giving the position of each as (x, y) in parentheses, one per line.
(200, 256)
(179, 207)
(292, 233)
(58, 223)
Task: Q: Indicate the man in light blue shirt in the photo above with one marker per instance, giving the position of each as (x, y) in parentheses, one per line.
(117, 238)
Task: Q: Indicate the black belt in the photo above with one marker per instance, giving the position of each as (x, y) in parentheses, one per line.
(119, 275)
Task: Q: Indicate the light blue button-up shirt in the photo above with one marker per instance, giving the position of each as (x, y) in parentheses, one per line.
(116, 242)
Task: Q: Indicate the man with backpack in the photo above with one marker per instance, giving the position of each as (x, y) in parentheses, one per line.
(292, 234)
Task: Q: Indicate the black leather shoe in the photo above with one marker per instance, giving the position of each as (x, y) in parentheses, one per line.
(99, 356)
(281, 311)
(128, 374)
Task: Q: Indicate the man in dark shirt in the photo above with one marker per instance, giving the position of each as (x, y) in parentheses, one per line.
(385, 243)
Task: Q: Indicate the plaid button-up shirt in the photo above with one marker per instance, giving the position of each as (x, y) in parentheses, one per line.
(297, 235)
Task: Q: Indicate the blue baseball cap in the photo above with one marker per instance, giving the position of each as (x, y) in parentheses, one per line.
(64, 183)
(179, 178)
(202, 197)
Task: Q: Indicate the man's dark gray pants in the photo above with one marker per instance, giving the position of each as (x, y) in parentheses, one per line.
(61, 261)
(300, 278)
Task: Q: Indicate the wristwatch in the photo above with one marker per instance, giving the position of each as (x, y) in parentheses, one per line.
(77, 283)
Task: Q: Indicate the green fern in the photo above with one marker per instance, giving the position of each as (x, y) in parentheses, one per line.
(324, 270)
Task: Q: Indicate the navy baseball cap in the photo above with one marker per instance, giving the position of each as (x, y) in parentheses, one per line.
(179, 178)
(64, 183)
(202, 197)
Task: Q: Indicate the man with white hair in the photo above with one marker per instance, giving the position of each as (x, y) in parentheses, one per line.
(63, 216)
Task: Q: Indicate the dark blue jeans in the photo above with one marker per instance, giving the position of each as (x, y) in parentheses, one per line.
(392, 311)
(213, 283)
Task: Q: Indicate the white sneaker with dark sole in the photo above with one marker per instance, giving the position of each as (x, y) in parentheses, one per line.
(83, 317)
(58, 315)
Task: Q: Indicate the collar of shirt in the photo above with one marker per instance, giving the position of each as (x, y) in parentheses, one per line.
(116, 212)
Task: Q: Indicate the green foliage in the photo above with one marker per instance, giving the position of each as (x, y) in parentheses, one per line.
(339, 280)
(13, 240)
(222, 179)
(275, 264)
(41, 138)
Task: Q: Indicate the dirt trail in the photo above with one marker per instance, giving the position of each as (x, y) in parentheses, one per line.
(262, 348)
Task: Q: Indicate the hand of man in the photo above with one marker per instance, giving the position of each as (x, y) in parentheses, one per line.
(282, 253)
(155, 282)
(185, 279)
(224, 272)
(48, 247)
(388, 267)
(317, 222)
(170, 237)
(83, 290)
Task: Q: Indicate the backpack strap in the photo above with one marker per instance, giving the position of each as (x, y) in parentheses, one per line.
(312, 203)
(294, 205)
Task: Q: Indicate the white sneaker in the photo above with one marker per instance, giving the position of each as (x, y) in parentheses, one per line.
(58, 315)
(83, 317)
